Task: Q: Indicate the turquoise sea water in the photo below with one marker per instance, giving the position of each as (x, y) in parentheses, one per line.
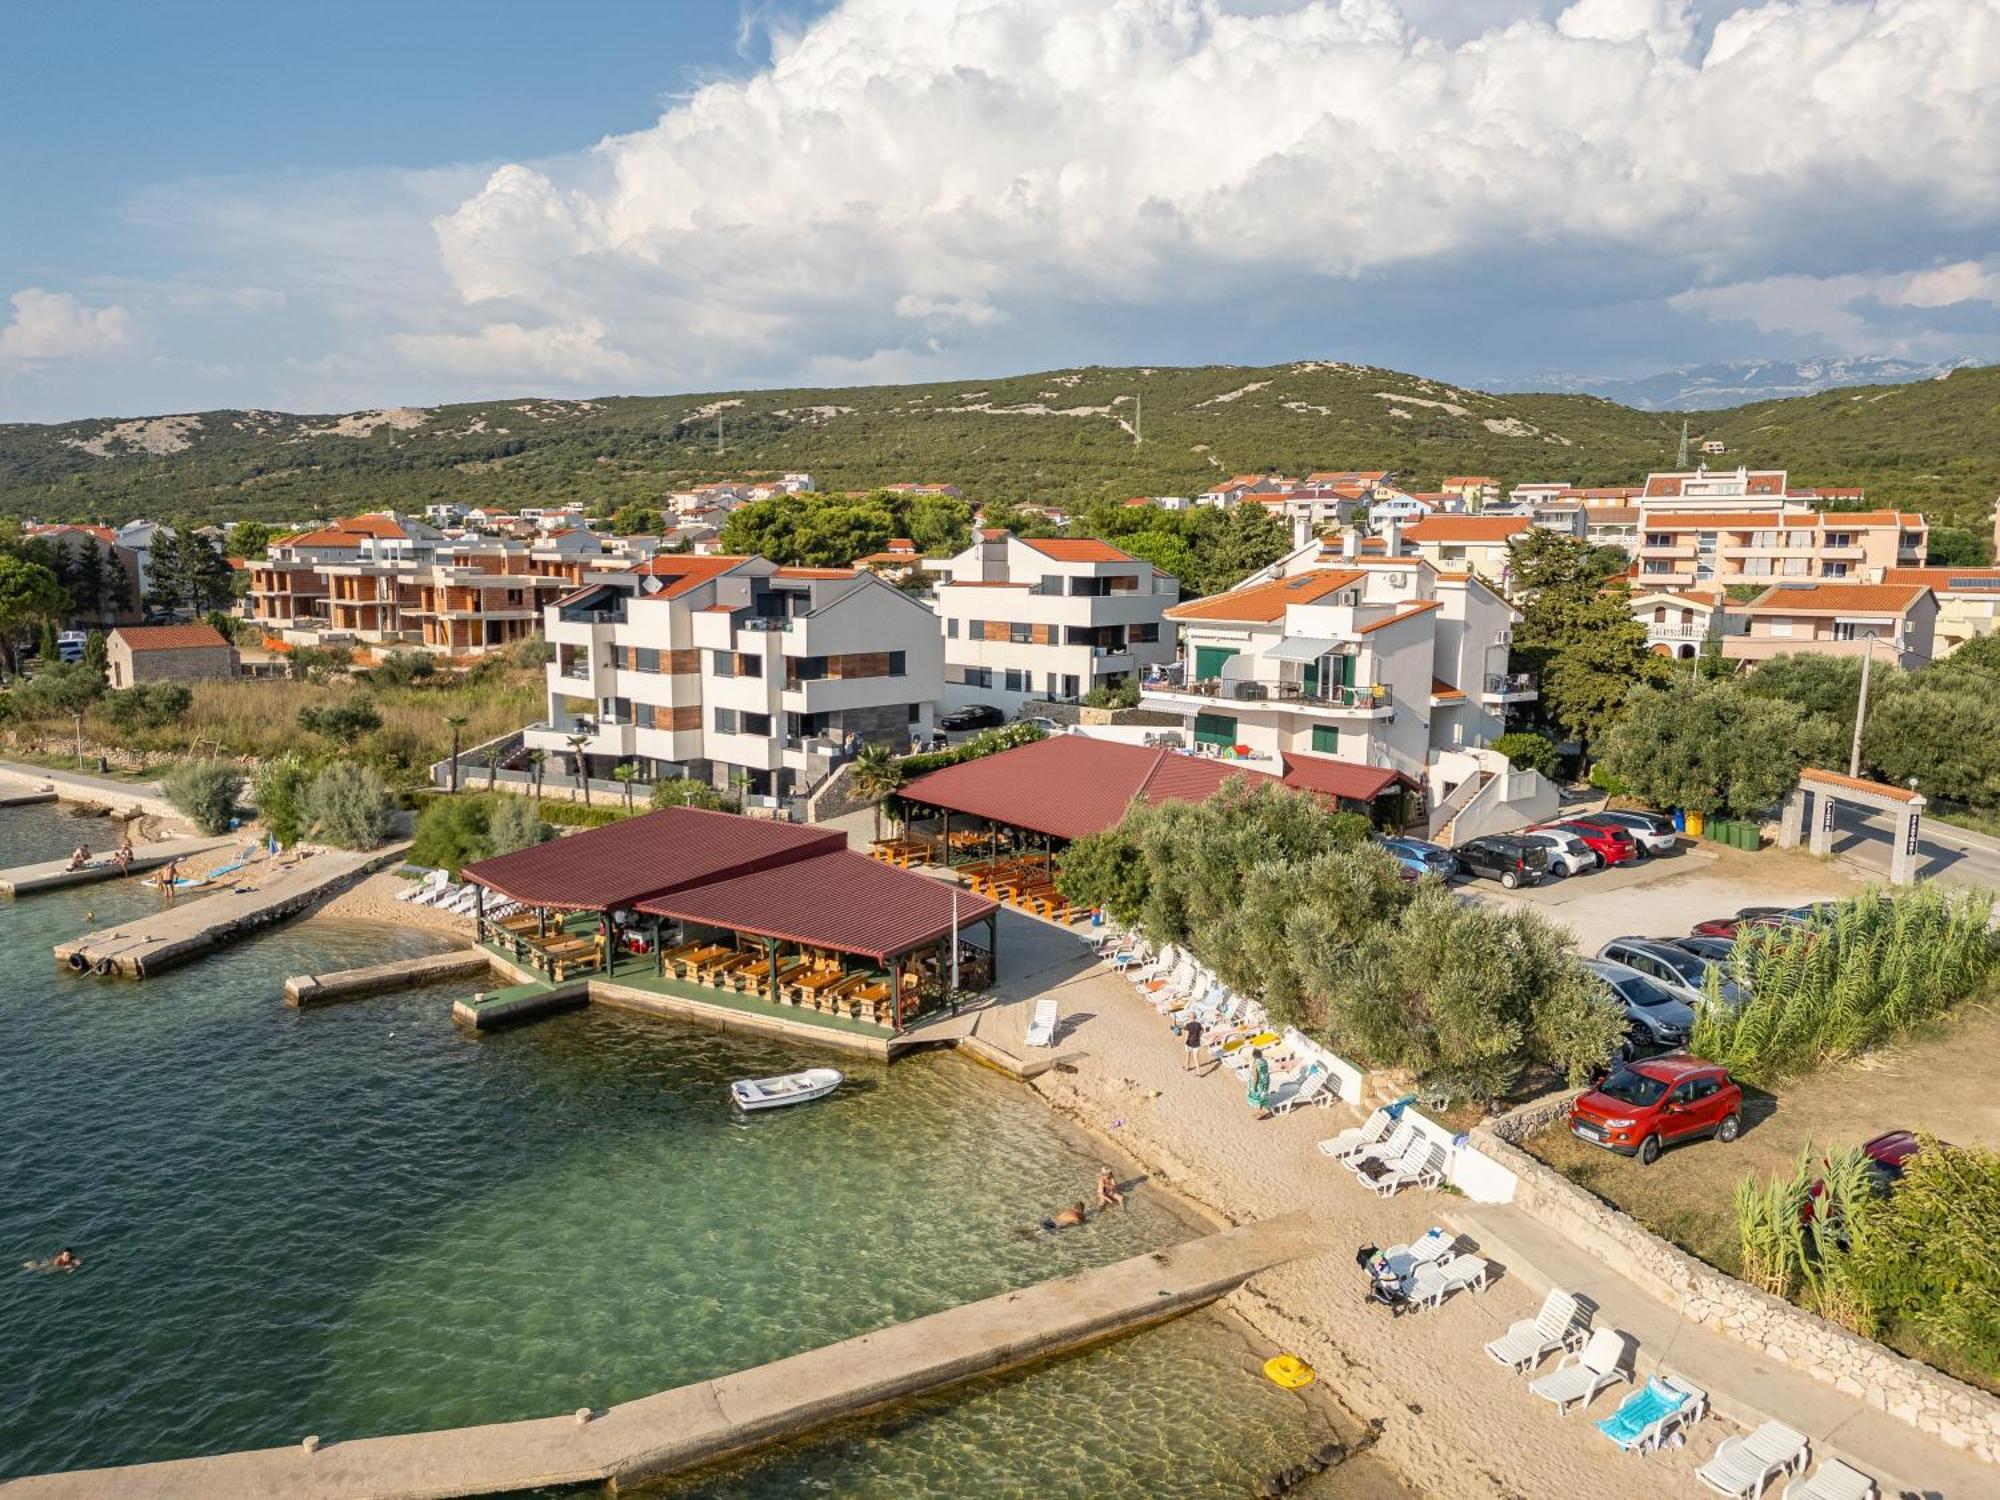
(361, 1220)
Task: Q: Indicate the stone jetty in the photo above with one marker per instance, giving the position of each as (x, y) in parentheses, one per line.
(52, 874)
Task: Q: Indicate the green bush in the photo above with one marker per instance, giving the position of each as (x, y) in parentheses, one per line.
(1607, 781)
(1869, 970)
(149, 705)
(533, 652)
(1529, 752)
(350, 806)
(576, 815)
(681, 791)
(513, 825)
(58, 688)
(986, 742)
(281, 790)
(1924, 1258)
(342, 722)
(205, 792)
(452, 832)
(401, 668)
(1124, 695)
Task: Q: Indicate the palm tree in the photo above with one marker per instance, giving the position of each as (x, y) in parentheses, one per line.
(625, 774)
(576, 743)
(492, 766)
(457, 723)
(536, 760)
(875, 776)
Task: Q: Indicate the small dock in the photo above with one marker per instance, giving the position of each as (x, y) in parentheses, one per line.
(174, 934)
(698, 1424)
(52, 874)
(304, 991)
(17, 796)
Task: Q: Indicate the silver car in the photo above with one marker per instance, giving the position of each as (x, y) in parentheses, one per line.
(1659, 1017)
(1681, 970)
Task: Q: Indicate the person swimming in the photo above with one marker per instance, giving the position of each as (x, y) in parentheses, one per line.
(64, 1259)
(1067, 1218)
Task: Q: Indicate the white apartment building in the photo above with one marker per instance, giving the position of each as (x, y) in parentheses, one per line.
(1679, 621)
(1458, 544)
(737, 672)
(1027, 618)
(1382, 662)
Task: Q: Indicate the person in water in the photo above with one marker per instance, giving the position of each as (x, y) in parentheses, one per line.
(1108, 1195)
(1067, 1218)
(64, 1259)
(1260, 1083)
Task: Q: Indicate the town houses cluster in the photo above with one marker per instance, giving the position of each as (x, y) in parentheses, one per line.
(1372, 659)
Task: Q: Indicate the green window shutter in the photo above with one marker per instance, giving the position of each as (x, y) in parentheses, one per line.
(1326, 739)
(1208, 660)
(1214, 729)
(1347, 670)
(1312, 679)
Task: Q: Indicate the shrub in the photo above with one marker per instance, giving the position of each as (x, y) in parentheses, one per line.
(205, 792)
(341, 721)
(58, 688)
(577, 815)
(1123, 695)
(150, 705)
(680, 791)
(321, 663)
(1529, 752)
(1924, 1257)
(514, 825)
(350, 806)
(281, 798)
(533, 652)
(1607, 781)
(986, 742)
(401, 668)
(452, 832)
(1874, 967)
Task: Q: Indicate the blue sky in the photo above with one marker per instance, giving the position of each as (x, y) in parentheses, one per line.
(340, 205)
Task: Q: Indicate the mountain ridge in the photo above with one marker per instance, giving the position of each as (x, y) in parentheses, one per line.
(1712, 387)
(1062, 435)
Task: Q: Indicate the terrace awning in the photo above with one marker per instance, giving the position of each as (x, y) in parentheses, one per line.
(1301, 648)
(840, 901)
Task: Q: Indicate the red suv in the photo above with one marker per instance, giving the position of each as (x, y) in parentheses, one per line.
(1662, 1101)
(1612, 846)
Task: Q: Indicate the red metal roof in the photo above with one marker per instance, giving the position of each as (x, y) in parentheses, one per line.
(1341, 778)
(841, 900)
(1068, 786)
(669, 850)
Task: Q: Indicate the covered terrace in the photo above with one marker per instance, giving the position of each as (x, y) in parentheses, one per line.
(738, 911)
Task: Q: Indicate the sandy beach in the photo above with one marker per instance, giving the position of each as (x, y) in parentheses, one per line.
(1451, 1422)
(374, 900)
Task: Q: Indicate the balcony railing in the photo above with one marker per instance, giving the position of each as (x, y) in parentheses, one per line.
(1238, 690)
(765, 624)
(1500, 683)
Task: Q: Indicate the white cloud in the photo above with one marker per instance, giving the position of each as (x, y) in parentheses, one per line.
(1854, 312)
(573, 354)
(54, 327)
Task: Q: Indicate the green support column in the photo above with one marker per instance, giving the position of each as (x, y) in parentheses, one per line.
(993, 947)
(771, 947)
(659, 950)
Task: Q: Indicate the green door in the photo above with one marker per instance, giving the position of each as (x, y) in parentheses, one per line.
(1214, 729)
(1208, 661)
(1347, 670)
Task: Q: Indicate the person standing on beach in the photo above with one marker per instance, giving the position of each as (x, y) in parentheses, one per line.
(1260, 1083)
(1191, 1037)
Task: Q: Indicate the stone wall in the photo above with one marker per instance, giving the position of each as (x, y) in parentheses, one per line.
(1933, 1402)
(188, 664)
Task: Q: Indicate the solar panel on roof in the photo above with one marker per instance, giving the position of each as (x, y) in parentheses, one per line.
(1990, 582)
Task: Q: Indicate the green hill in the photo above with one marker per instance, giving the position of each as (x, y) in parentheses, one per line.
(1064, 435)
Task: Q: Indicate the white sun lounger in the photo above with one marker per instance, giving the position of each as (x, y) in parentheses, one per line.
(1311, 1089)
(1042, 1030)
(1648, 1415)
(1434, 1280)
(1387, 1152)
(1580, 1375)
(1561, 1324)
(1422, 1166)
(1833, 1480)
(1370, 1132)
(1434, 1244)
(416, 888)
(1743, 1466)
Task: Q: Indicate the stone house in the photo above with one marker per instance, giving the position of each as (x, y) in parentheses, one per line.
(168, 653)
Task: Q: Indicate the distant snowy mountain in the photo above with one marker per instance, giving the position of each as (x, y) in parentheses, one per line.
(1700, 387)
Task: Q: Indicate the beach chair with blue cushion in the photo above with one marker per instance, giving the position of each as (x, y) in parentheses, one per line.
(1653, 1413)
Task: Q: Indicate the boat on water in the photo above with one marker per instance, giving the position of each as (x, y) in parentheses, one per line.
(787, 1088)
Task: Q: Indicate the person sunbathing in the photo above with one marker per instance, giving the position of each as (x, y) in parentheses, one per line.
(79, 856)
(1108, 1195)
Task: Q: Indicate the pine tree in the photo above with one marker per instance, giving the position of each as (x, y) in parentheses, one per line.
(168, 587)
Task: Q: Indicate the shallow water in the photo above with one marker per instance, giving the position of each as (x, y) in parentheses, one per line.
(361, 1220)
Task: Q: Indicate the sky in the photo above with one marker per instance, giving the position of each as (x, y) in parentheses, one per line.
(362, 203)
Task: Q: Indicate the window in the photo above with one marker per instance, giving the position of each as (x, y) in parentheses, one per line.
(757, 724)
(979, 677)
(951, 628)
(722, 663)
(898, 661)
(645, 659)
(749, 666)
(1834, 570)
(1017, 681)
(914, 713)
(975, 630)
(1070, 686)
(806, 668)
(1020, 634)
(725, 721)
(1659, 614)
(642, 715)
(1214, 729)
(1781, 627)
(1326, 739)
(1146, 633)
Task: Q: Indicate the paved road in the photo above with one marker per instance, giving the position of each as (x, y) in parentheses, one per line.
(1949, 854)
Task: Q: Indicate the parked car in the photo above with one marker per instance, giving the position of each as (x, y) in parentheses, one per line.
(1420, 856)
(1646, 1106)
(1756, 918)
(1886, 1154)
(1683, 972)
(1505, 858)
(1659, 1017)
(1653, 833)
(1611, 844)
(1568, 854)
(972, 716)
(1714, 949)
(1041, 722)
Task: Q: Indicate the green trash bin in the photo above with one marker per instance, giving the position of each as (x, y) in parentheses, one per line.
(1718, 829)
(1752, 841)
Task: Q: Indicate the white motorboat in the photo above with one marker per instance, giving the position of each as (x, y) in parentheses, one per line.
(789, 1088)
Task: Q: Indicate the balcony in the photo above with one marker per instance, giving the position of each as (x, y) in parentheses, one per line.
(1375, 702)
(1508, 687)
(1662, 632)
(765, 624)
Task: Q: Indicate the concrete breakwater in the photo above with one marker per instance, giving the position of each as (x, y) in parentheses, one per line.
(306, 990)
(52, 874)
(698, 1424)
(146, 945)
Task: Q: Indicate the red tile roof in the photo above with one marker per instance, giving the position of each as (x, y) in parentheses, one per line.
(814, 573)
(169, 637)
(1467, 528)
(680, 572)
(102, 533)
(1068, 786)
(1341, 778)
(1086, 549)
(1855, 783)
(1837, 598)
(839, 900)
(1261, 603)
(651, 855)
(1941, 578)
